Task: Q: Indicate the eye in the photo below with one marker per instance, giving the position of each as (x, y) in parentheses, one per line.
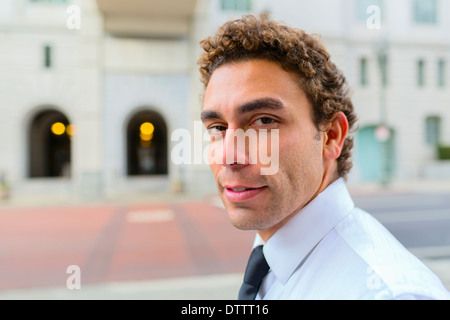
(216, 129)
(264, 121)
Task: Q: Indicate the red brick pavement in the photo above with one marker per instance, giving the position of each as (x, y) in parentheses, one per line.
(108, 244)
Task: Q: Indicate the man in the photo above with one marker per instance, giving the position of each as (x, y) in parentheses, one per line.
(311, 243)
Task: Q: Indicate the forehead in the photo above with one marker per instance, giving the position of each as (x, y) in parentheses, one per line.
(236, 83)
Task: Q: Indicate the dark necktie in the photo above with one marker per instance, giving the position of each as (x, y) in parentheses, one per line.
(257, 268)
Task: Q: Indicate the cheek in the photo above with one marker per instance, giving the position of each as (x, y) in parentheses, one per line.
(299, 160)
(215, 156)
(214, 169)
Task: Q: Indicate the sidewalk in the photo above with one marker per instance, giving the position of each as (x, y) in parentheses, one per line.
(208, 287)
(366, 189)
(441, 267)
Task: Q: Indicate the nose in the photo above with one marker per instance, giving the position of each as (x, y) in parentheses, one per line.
(235, 148)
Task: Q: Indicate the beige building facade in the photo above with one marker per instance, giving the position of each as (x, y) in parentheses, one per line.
(119, 77)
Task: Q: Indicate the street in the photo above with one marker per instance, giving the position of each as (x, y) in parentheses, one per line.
(172, 249)
(417, 220)
(117, 243)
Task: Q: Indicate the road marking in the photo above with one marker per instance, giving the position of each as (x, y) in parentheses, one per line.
(150, 216)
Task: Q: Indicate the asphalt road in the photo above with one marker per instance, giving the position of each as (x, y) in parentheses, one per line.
(417, 220)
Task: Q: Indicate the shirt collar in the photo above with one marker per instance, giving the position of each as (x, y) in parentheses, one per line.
(290, 244)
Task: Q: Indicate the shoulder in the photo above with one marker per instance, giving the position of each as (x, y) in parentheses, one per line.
(392, 272)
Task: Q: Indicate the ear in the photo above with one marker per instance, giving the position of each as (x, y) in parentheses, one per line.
(335, 136)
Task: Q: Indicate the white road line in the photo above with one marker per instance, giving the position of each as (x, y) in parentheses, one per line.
(150, 216)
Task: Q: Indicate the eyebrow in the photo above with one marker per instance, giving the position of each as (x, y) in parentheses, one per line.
(251, 106)
(209, 114)
(260, 104)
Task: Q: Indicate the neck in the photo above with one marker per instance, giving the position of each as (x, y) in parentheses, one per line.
(327, 179)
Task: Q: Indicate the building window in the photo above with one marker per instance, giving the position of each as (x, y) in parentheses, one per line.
(47, 56)
(49, 145)
(147, 144)
(425, 11)
(383, 65)
(236, 5)
(421, 73)
(433, 130)
(441, 73)
(363, 72)
(363, 5)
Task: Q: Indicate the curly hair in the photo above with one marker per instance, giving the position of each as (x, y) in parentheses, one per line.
(295, 51)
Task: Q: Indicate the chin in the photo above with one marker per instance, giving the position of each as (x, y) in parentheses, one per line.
(246, 219)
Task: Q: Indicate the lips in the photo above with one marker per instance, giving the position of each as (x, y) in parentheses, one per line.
(242, 193)
(240, 189)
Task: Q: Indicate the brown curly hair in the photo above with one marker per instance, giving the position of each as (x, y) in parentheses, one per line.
(295, 51)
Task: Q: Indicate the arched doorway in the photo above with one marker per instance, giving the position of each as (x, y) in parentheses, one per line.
(49, 144)
(146, 144)
(375, 153)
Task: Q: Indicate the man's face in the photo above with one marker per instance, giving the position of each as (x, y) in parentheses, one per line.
(259, 94)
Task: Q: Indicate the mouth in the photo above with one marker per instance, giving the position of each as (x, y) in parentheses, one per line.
(242, 193)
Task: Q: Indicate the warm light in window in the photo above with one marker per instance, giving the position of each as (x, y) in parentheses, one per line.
(147, 128)
(58, 128)
(146, 137)
(71, 130)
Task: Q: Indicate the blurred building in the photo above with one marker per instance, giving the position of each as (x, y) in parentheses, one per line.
(92, 90)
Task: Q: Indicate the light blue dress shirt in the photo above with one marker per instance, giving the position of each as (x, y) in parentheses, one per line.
(332, 250)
